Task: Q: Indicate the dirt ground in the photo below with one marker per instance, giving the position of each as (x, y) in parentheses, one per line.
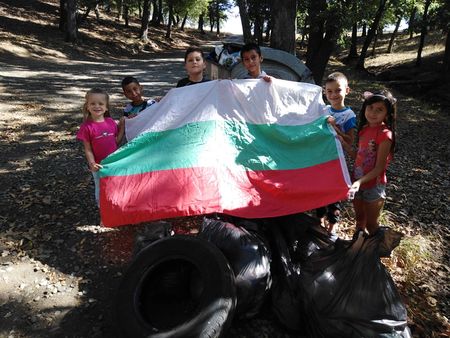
(59, 269)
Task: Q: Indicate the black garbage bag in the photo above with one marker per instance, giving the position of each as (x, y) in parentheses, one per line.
(249, 257)
(294, 238)
(338, 289)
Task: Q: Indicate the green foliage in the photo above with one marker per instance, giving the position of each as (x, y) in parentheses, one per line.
(440, 15)
(394, 10)
(192, 7)
(257, 8)
(223, 6)
(198, 7)
(366, 10)
(344, 41)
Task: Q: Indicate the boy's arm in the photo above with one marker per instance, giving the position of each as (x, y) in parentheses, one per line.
(332, 121)
(349, 136)
(121, 130)
(348, 147)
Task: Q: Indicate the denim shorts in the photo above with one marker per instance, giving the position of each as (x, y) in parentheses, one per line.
(371, 194)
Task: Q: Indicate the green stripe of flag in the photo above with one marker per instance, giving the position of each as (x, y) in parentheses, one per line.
(215, 143)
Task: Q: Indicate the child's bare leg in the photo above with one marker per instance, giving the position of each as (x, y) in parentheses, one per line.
(373, 210)
(360, 214)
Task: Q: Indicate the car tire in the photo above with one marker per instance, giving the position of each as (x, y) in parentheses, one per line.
(180, 286)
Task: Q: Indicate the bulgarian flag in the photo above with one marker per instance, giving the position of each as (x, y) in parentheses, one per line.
(246, 148)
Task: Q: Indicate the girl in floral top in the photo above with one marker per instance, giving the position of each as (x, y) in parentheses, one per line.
(376, 143)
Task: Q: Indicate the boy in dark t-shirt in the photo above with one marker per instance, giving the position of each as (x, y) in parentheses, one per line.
(194, 63)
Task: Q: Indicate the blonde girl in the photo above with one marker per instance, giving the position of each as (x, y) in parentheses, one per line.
(376, 144)
(99, 133)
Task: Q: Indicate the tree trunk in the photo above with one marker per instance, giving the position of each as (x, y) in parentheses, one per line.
(353, 52)
(71, 25)
(201, 22)
(154, 20)
(217, 13)
(126, 10)
(211, 18)
(375, 40)
(245, 21)
(324, 32)
(183, 23)
(268, 21)
(174, 20)
(364, 29)
(258, 29)
(160, 13)
(412, 22)
(284, 25)
(371, 34)
(423, 33)
(119, 4)
(169, 24)
(145, 19)
(62, 15)
(394, 33)
(446, 71)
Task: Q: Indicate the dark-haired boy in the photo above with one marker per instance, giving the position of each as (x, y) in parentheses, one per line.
(133, 90)
(344, 122)
(194, 63)
(251, 59)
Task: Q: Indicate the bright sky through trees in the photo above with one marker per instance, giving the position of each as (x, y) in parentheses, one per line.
(233, 24)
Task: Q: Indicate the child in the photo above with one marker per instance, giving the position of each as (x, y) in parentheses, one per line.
(99, 132)
(376, 144)
(344, 122)
(132, 89)
(194, 63)
(336, 89)
(251, 59)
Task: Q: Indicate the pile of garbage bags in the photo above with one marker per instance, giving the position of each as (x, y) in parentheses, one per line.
(316, 285)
